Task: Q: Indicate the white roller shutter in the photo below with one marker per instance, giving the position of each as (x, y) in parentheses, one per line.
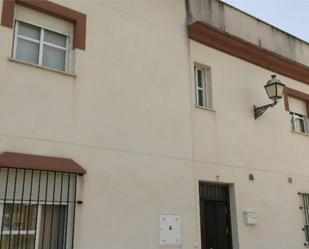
(45, 21)
(297, 106)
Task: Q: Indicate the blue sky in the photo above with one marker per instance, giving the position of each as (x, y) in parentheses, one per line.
(291, 16)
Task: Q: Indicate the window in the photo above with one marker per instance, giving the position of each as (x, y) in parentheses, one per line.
(305, 207)
(40, 46)
(299, 122)
(298, 112)
(202, 84)
(36, 209)
(22, 233)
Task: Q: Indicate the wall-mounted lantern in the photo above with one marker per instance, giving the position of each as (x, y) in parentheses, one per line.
(274, 88)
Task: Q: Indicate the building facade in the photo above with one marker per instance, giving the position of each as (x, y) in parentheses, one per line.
(129, 124)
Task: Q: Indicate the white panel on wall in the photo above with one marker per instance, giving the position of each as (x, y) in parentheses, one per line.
(250, 218)
(170, 230)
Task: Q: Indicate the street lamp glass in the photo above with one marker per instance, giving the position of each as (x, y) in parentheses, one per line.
(274, 88)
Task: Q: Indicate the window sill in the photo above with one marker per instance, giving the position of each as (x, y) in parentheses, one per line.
(300, 133)
(41, 67)
(205, 108)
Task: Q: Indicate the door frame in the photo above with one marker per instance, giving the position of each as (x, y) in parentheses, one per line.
(229, 192)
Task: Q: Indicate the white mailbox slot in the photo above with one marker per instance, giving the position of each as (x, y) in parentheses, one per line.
(250, 218)
(170, 230)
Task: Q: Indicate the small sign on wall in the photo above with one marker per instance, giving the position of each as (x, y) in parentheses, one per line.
(170, 230)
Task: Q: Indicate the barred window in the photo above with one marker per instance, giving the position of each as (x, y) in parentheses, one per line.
(305, 209)
(37, 209)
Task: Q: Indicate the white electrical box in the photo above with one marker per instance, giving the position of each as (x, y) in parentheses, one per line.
(170, 230)
(250, 218)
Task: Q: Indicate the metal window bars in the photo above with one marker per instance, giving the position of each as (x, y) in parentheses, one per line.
(37, 209)
(305, 209)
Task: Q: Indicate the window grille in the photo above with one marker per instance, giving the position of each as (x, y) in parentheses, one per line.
(305, 209)
(37, 209)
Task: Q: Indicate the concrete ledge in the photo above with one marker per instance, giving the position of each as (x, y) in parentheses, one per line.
(41, 67)
(248, 28)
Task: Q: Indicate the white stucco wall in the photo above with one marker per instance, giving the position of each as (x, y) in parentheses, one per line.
(231, 144)
(129, 118)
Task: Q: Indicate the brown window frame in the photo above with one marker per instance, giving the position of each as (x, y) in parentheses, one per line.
(77, 18)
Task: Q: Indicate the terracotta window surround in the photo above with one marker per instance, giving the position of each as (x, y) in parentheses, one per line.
(45, 163)
(77, 18)
(223, 41)
(289, 92)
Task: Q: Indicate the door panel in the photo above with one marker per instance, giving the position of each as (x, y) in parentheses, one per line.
(210, 225)
(222, 226)
(215, 220)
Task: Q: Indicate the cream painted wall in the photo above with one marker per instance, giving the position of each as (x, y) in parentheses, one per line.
(237, 86)
(109, 78)
(129, 118)
(231, 144)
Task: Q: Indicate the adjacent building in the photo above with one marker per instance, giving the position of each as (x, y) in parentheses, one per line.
(130, 124)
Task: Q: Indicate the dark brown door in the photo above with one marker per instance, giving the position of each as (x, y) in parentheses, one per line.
(215, 217)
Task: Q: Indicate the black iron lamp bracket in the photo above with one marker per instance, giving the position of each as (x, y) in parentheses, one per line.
(258, 111)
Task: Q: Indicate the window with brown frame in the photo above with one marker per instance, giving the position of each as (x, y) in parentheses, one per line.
(297, 103)
(48, 7)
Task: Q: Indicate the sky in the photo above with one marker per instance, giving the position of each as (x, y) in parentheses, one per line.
(291, 16)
